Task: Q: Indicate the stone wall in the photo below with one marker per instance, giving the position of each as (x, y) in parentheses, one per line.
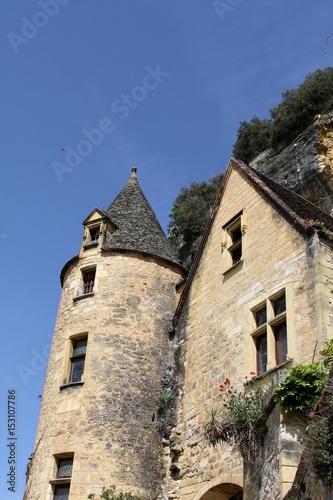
(214, 335)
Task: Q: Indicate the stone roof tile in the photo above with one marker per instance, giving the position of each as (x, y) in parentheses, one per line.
(138, 228)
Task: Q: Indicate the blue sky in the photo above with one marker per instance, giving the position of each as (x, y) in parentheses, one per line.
(90, 88)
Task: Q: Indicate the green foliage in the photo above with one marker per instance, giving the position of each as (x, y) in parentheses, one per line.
(242, 405)
(299, 106)
(166, 396)
(301, 387)
(246, 406)
(238, 423)
(327, 353)
(110, 494)
(214, 419)
(252, 138)
(289, 118)
(322, 444)
(190, 210)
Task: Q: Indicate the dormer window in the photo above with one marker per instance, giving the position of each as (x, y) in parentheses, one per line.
(94, 234)
(235, 248)
(232, 241)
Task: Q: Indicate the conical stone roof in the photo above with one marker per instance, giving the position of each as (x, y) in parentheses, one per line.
(137, 226)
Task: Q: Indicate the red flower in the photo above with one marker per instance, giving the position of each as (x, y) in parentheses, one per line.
(227, 381)
(229, 391)
(252, 373)
(222, 388)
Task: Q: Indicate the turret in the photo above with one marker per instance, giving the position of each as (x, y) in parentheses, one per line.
(98, 423)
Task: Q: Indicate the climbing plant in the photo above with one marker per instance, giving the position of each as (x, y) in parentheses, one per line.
(303, 384)
(301, 387)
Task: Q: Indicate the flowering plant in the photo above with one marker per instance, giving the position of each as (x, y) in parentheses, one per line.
(239, 422)
(242, 406)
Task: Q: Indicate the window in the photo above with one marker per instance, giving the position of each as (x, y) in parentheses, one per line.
(270, 333)
(94, 234)
(61, 484)
(78, 360)
(280, 329)
(61, 492)
(261, 346)
(88, 278)
(232, 241)
(64, 467)
(235, 249)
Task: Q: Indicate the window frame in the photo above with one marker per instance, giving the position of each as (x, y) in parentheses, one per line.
(61, 481)
(96, 230)
(277, 348)
(77, 357)
(82, 290)
(233, 249)
(87, 286)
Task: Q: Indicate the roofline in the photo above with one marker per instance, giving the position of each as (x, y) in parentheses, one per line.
(74, 259)
(305, 229)
(66, 267)
(198, 255)
(135, 250)
(272, 198)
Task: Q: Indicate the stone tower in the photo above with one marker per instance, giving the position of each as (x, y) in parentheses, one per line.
(98, 425)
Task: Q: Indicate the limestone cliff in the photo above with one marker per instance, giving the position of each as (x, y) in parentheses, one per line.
(306, 165)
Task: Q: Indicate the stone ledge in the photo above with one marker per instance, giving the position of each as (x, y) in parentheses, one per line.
(71, 384)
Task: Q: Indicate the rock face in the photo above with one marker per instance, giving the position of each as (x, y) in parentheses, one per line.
(306, 165)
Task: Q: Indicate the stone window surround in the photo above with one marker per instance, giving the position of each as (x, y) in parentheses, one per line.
(273, 320)
(80, 289)
(68, 360)
(229, 246)
(89, 233)
(61, 480)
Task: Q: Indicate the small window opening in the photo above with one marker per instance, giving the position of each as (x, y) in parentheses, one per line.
(88, 281)
(94, 234)
(78, 360)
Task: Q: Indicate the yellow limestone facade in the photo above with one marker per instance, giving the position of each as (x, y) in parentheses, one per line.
(139, 344)
(216, 332)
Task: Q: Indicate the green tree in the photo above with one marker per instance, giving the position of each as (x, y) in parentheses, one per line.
(289, 118)
(191, 208)
(299, 106)
(252, 138)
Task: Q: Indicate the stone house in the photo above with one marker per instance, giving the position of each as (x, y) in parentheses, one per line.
(258, 296)
(140, 347)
